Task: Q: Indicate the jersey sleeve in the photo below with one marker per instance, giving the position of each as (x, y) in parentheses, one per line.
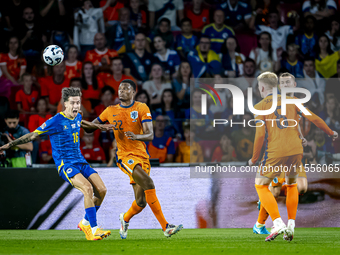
(260, 134)
(3, 59)
(49, 127)
(17, 97)
(103, 117)
(145, 114)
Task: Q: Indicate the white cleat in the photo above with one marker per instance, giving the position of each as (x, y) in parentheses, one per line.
(289, 233)
(172, 229)
(123, 231)
(278, 228)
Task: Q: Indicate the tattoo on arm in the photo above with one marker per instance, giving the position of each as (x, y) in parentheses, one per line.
(24, 139)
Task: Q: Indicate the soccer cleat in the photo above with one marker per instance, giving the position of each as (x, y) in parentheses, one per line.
(86, 229)
(123, 231)
(261, 230)
(100, 234)
(279, 228)
(289, 233)
(172, 229)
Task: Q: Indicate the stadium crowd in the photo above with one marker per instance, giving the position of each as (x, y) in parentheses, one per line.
(161, 45)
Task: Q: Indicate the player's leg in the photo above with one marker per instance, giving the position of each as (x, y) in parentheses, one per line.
(302, 185)
(137, 206)
(146, 183)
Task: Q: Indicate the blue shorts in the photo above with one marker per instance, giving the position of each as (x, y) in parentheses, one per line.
(67, 171)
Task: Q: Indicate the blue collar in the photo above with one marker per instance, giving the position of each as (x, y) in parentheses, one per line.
(133, 102)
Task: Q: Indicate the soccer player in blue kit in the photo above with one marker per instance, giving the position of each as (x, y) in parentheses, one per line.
(63, 130)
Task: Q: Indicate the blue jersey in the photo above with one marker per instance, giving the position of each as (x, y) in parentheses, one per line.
(186, 43)
(64, 138)
(306, 44)
(295, 68)
(217, 36)
(171, 62)
(236, 15)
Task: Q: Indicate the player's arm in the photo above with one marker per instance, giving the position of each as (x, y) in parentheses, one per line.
(90, 127)
(258, 143)
(147, 133)
(22, 140)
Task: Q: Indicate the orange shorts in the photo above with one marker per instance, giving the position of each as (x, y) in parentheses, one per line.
(127, 165)
(275, 167)
(301, 171)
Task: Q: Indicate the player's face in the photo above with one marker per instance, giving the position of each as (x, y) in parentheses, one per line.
(28, 14)
(249, 68)
(186, 27)
(309, 67)
(125, 92)
(13, 44)
(142, 98)
(134, 4)
(72, 54)
(117, 66)
(99, 41)
(12, 123)
(185, 69)
(72, 106)
(287, 82)
(88, 70)
(204, 45)
(231, 44)
(59, 69)
(261, 89)
(219, 17)
(41, 106)
(164, 27)
(27, 80)
(140, 42)
(159, 43)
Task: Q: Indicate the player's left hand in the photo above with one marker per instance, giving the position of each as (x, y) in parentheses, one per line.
(106, 127)
(130, 135)
(250, 163)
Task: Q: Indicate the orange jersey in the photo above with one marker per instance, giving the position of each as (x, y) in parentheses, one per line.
(26, 101)
(73, 69)
(280, 140)
(127, 118)
(14, 64)
(111, 12)
(96, 56)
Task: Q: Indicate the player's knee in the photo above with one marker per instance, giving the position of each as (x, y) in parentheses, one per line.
(102, 192)
(302, 190)
(149, 184)
(141, 202)
(88, 190)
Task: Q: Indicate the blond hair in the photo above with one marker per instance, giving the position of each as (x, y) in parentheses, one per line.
(268, 78)
(287, 75)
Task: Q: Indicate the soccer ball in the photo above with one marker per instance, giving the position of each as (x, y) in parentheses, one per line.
(53, 55)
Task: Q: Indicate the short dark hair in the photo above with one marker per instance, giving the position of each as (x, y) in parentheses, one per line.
(25, 74)
(205, 36)
(12, 114)
(116, 58)
(186, 20)
(75, 79)
(165, 20)
(66, 93)
(250, 60)
(131, 82)
(308, 58)
(108, 88)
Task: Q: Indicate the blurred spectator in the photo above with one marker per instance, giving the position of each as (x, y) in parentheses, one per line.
(231, 59)
(100, 56)
(32, 37)
(264, 55)
(142, 96)
(51, 86)
(91, 85)
(138, 62)
(111, 13)
(157, 84)
(313, 81)
(52, 12)
(278, 33)
(92, 151)
(217, 31)
(106, 100)
(223, 94)
(13, 63)
(189, 151)
(261, 9)
(45, 152)
(165, 9)
(321, 10)
(117, 77)
(204, 61)
(9, 12)
(162, 146)
(198, 15)
(138, 16)
(13, 131)
(323, 145)
(85, 107)
(73, 66)
(291, 63)
(121, 35)
(88, 21)
(308, 39)
(333, 85)
(163, 29)
(169, 107)
(26, 98)
(182, 84)
(248, 79)
(325, 59)
(186, 41)
(169, 58)
(238, 14)
(60, 37)
(334, 33)
(112, 154)
(331, 114)
(225, 151)
(243, 139)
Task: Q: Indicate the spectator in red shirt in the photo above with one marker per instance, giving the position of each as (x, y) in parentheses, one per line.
(91, 86)
(73, 66)
(36, 120)
(199, 16)
(51, 86)
(27, 97)
(92, 152)
(111, 12)
(106, 100)
(45, 152)
(225, 152)
(13, 64)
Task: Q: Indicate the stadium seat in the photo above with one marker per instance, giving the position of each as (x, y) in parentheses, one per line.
(208, 147)
(247, 42)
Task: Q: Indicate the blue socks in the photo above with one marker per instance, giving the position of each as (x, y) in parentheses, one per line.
(91, 215)
(97, 208)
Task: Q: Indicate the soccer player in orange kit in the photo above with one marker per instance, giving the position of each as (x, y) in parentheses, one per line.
(283, 150)
(132, 126)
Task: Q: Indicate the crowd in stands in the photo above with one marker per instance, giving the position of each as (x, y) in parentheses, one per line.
(162, 45)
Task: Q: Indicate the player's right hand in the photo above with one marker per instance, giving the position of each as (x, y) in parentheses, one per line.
(334, 136)
(106, 127)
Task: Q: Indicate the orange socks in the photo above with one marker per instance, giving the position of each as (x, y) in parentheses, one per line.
(292, 201)
(268, 201)
(152, 200)
(263, 215)
(134, 209)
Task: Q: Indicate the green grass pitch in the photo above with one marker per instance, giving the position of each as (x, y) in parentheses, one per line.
(187, 241)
